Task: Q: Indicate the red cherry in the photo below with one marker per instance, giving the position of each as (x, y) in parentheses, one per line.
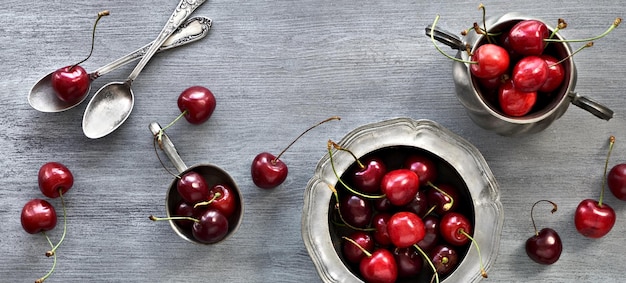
(409, 262)
(380, 267)
(267, 171)
(424, 167)
(491, 61)
(445, 258)
(379, 222)
(187, 210)
(443, 197)
(592, 219)
(545, 247)
(355, 211)
(527, 37)
(54, 178)
(514, 102)
(37, 216)
(354, 253)
(226, 203)
(211, 227)
(556, 74)
(192, 187)
(452, 226)
(530, 73)
(432, 235)
(419, 204)
(616, 180)
(405, 229)
(368, 178)
(71, 83)
(198, 102)
(400, 186)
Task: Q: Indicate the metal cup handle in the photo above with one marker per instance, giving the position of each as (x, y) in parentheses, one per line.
(168, 148)
(445, 37)
(591, 106)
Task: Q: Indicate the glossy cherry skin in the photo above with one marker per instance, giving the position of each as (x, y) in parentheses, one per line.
(187, 210)
(409, 262)
(445, 258)
(492, 61)
(355, 211)
(527, 37)
(545, 247)
(70, 83)
(383, 205)
(267, 171)
(424, 167)
(379, 222)
(400, 186)
(514, 102)
(54, 177)
(419, 204)
(199, 102)
(368, 179)
(445, 199)
(616, 180)
(405, 229)
(432, 236)
(37, 216)
(212, 227)
(451, 226)
(592, 220)
(556, 74)
(192, 188)
(227, 202)
(530, 73)
(353, 253)
(380, 267)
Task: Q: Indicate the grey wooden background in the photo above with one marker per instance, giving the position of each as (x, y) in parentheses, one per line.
(277, 67)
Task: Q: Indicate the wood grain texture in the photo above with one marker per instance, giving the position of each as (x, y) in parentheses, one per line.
(277, 67)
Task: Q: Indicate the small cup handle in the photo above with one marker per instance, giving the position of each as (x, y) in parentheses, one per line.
(445, 37)
(169, 149)
(592, 107)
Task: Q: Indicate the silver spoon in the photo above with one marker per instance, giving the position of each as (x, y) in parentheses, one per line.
(42, 97)
(113, 103)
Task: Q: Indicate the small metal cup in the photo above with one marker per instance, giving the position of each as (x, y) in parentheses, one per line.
(484, 113)
(211, 173)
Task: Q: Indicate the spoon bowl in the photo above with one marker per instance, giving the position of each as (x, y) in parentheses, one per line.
(112, 104)
(43, 98)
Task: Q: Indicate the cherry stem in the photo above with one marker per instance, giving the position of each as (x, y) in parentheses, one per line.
(606, 165)
(93, 36)
(156, 141)
(215, 196)
(302, 134)
(589, 44)
(483, 273)
(554, 208)
(448, 205)
(430, 262)
(484, 11)
(332, 189)
(154, 218)
(612, 27)
(54, 248)
(338, 147)
(432, 38)
(366, 252)
(332, 164)
(159, 135)
(54, 262)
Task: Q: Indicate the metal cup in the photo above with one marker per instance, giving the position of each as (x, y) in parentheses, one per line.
(212, 175)
(483, 111)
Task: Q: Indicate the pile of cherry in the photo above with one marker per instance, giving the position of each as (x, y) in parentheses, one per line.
(39, 215)
(401, 213)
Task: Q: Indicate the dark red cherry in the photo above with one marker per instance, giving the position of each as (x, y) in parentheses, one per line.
(444, 258)
(491, 61)
(409, 261)
(452, 227)
(70, 83)
(400, 186)
(383, 205)
(226, 202)
(368, 179)
(198, 104)
(545, 247)
(443, 197)
(53, 178)
(187, 210)
(527, 37)
(616, 180)
(192, 187)
(380, 267)
(592, 219)
(211, 227)
(556, 74)
(405, 229)
(353, 253)
(431, 236)
(530, 73)
(514, 102)
(37, 216)
(424, 167)
(379, 223)
(267, 171)
(419, 204)
(355, 211)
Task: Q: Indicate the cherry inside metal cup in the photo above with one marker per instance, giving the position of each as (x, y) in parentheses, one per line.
(212, 174)
(481, 103)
